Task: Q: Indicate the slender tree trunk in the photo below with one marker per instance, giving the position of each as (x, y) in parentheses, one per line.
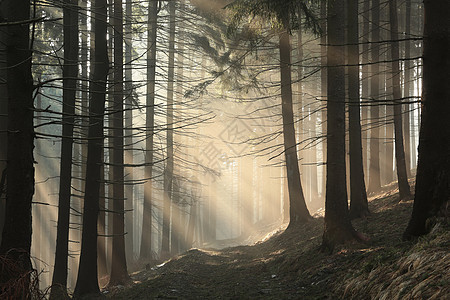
(298, 211)
(338, 227)
(146, 240)
(129, 187)
(433, 170)
(87, 272)
(3, 122)
(365, 85)
(16, 236)
(407, 89)
(70, 73)
(358, 197)
(374, 164)
(191, 224)
(168, 172)
(119, 273)
(323, 87)
(403, 185)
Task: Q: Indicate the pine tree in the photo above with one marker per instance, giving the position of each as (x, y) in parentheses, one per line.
(433, 175)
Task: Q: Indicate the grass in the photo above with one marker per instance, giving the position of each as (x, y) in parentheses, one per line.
(289, 265)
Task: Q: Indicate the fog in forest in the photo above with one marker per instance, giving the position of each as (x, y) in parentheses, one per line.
(197, 138)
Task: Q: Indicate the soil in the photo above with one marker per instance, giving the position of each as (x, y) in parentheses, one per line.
(289, 264)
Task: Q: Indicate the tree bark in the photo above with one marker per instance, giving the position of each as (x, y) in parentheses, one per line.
(323, 87)
(119, 273)
(129, 155)
(87, 272)
(146, 240)
(3, 121)
(433, 170)
(338, 227)
(374, 164)
(403, 185)
(365, 85)
(70, 73)
(168, 172)
(407, 89)
(298, 212)
(358, 197)
(16, 236)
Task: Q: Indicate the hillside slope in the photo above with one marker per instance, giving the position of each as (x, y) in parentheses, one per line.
(290, 265)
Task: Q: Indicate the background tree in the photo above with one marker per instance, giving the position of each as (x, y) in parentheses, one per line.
(70, 73)
(119, 271)
(359, 206)
(146, 240)
(402, 176)
(374, 159)
(87, 281)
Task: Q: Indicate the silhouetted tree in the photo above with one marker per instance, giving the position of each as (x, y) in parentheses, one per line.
(70, 73)
(374, 159)
(119, 273)
(87, 282)
(16, 236)
(433, 170)
(146, 240)
(358, 196)
(402, 176)
(338, 227)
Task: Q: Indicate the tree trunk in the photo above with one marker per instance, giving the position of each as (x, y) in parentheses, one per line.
(70, 73)
(3, 122)
(168, 172)
(146, 240)
(358, 197)
(16, 236)
(374, 164)
(365, 85)
(433, 170)
(407, 89)
(298, 212)
(119, 273)
(129, 187)
(323, 87)
(403, 185)
(87, 272)
(338, 228)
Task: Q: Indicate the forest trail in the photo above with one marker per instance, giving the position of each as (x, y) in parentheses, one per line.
(289, 265)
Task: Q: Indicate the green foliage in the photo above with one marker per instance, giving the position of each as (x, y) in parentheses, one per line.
(279, 13)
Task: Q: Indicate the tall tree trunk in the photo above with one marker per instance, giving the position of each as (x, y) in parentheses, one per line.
(298, 212)
(70, 73)
(374, 164)
(119, 273)
(358, 197)
(433, 170)
(168, 172)
(87, 272)
(338, 227)
(402, 176)
(365, 84)
(323, 87)
(191, 224)
(407, 89)
(146, 240)
(3, 122)
(129, 187)
(387, 163)
(16, 236)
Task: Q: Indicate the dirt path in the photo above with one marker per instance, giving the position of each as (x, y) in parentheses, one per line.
(289, 265)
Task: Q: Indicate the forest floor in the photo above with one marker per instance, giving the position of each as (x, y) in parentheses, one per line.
(290, 265)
